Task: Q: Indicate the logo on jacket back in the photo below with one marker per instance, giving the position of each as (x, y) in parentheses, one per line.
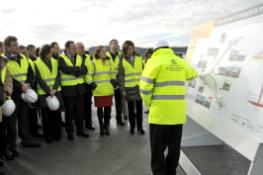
(173, 66)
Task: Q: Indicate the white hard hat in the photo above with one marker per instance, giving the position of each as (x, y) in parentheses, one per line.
(52, 103)
(160, 43)
(30, 96)
(8, 108)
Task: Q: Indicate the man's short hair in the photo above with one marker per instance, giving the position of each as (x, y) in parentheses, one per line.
(68, 43)
(30, 46)
(53, 44)
(9, 39)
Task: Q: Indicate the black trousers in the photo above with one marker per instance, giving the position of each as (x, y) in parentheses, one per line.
(88, 109)
(33, 116)
(2, 139)
(104, 115)
(135, 117)
(20, 114)
(74, 111)
(162, 136)
(118, 104)
(51, 123)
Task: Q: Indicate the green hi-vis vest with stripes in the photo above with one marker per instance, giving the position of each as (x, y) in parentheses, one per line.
(132, 73)
(114, 63)
(68, 79)
(18, 72)
(88, 64)
(162, 87)
(46, 74)
(102, 76)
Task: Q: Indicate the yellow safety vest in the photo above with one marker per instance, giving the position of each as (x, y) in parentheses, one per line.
(88, 64)
(114, 63)
(132, 73)
(162, 87)
(102, 76)
(48, 76)
(31, 63)
(68, 79)
(18, 72)
(3, 74)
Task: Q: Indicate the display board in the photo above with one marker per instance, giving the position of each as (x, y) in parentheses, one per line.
(228, 53)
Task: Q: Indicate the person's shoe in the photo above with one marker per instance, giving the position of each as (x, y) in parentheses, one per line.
(101, 131)
(141, 131)
(57, 139)
(2, 162)
(70, 137)
(132, 131)
(120, 122)
(91, 128)
(37, 135)
(146, 112)
(9, 155)
(15, 153)
(83, 134)
(48, 140)
(107, 131)
(30, 144)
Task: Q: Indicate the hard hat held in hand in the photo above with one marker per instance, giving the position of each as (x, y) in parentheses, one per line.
(8, 107)
(30, 96)
(52, 103)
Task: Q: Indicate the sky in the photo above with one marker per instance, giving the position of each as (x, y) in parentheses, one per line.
(96, 22)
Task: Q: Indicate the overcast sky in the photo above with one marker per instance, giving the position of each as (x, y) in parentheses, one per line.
(95, 22)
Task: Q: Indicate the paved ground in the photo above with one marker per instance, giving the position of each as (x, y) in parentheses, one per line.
(118, 154)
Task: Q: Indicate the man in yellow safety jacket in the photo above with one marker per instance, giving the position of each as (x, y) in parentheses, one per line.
(114, 56)
(80, 49)
(6, 88)
(163, 90)
(33, 109)
(22, 76)
(73, 70)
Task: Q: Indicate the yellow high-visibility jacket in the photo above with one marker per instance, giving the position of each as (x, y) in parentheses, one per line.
(162, 87)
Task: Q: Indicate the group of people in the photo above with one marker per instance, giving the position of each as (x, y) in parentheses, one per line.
(74, 76)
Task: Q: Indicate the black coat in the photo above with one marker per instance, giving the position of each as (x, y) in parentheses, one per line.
(72, 91)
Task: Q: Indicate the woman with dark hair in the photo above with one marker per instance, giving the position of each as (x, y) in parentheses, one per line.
(103, 88)
(48, 84)
(130, 70)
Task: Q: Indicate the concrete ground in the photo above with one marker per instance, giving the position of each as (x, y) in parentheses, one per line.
(217, 160)
(118, 154)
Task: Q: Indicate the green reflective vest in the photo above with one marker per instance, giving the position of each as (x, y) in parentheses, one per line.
(88, 64)
(46, 74)
(162, 87)
(68, 79)
(3, 74)
(18, 72)
(102, 76)
(132, 73)
(31, 64)
(114, 63)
